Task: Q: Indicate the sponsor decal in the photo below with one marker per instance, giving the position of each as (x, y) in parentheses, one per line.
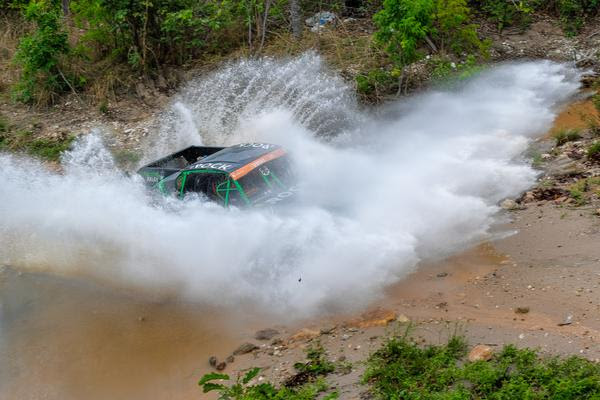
(240, 172)
(218, 165)
(264, 146)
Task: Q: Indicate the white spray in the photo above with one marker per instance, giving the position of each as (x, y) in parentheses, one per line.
(421, 179)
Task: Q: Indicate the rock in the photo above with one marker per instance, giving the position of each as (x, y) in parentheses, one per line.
(245, 349)
(509, 204)
(481, 352)
(221, 366)
(442, 275)
(378, 317)
(304, 334)
(212, 361)
(567, 321)
(327, 330)
(598, 212)
(230, 359)
(266, 334)
(522, 310)
(403, 319)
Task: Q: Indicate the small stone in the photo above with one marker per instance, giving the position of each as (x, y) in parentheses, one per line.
(221, 366)
(522, 310)
(403, 319)
(212, 361)
(266, 334)
(481, 352)
(442, 275)
(245, 349)
(567, 321)
(230, 359)
(327, 330)
(304, 334)
(509, 204)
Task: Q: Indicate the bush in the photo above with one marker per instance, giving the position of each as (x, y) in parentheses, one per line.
(507, 13)
(404, 26)
(39, 53)
(402, 370)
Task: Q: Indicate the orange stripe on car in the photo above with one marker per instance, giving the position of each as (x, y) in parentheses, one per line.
(240, 172)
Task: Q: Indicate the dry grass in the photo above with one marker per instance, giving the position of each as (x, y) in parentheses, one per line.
(11, 29)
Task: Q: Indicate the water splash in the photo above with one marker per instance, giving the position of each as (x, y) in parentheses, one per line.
(212, 109)
(420, 180)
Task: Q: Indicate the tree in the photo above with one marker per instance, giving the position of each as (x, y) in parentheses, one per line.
(296, 17)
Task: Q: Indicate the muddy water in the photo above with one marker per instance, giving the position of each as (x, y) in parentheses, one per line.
(67, 339)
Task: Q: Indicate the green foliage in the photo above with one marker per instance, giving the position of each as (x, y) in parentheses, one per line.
(39, 55)
(405, 26)
(593, 152)
(146, 34)
(566, 135)
(447, 72)
(454, 29)
(507, 13)
(376, 81)
(577, 191)
(402, 370)
(317, 363)
(24, 141)
(241, 390)
(312, 384)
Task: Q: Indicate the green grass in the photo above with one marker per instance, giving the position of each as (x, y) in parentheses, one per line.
(566, 135)
(403, 370)
(593, 151)
(24, 141)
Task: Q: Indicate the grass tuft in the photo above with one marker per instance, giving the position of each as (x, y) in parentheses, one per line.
(402, 370)
(566, 135)
(593, 151)
(24, 141)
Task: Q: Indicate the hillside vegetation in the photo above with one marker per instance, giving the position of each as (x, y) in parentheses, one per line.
(99, 48)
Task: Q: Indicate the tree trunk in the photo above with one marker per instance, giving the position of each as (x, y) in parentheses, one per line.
(296, 16)
(65, 7)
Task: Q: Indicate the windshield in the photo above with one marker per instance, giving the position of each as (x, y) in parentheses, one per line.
(274, 175)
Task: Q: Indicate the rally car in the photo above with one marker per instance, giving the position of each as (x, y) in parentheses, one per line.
(246, 174)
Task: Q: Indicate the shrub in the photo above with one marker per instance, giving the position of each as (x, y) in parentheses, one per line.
(401, 369)
(404, 26)
(507, 13)
(39, 53)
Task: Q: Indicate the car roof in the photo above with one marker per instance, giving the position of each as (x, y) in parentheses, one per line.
(239, 159)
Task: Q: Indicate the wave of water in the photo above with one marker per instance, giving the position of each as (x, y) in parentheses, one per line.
(421, 179)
